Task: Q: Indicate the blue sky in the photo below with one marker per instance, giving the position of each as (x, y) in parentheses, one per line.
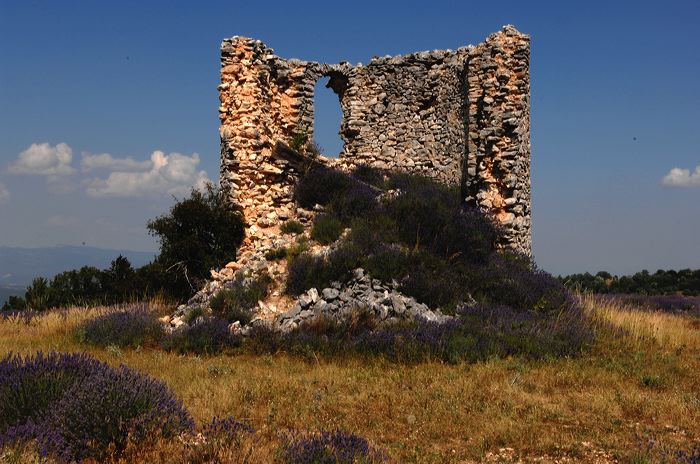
(129, 88)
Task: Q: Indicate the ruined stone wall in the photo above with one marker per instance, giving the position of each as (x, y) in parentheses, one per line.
(460, 116)
(263, 99)
(497, 175)
(406, 113)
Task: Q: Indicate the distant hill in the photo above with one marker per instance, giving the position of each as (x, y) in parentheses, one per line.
(18, 266)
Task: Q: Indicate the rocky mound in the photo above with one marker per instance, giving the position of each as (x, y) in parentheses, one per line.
(383, 301)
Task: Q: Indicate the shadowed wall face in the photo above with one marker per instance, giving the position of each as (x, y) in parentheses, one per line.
(406, 113)
(461, 117)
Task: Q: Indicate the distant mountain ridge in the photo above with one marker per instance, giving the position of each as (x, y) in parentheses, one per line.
(18, 266)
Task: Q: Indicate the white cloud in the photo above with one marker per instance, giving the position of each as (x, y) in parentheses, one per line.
(108, 162)
(4, 193)
(678, 177)
(44, 160)
(173, 174)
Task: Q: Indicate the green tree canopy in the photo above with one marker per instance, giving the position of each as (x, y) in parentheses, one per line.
(200, 232)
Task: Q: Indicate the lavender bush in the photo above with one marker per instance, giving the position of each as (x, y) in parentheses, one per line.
(442, 253)
(24, 316)
(132, 326)
(486, 331)
(210, 336)
(669, 303)
(110, 408)
(225, 429)
(669, 454)
(477, 333)
(76, 407)
(332, 447)
(512, 280)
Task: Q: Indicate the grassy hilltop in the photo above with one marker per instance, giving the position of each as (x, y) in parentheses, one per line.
(634, 397)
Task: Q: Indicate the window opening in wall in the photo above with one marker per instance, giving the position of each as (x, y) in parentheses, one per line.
(327, 119)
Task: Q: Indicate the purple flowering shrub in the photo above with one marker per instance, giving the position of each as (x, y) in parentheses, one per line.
(77, 407)
(479, 332)
(512, 280)
(209, 336)
(669, 303)
(655, 450)
(331, 447)
(486, 330)
(359, 200)
(126, 327)
(442, 253)
(225, 429)
(29, 387)
(19, 316)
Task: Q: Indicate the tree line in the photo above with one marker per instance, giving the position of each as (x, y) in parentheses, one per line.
(199, 233)
(684, 282)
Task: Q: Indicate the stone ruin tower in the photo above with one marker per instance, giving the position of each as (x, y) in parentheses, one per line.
(460, 116)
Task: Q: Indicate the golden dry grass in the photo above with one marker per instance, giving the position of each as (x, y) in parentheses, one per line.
(666, 330)
(601, 406)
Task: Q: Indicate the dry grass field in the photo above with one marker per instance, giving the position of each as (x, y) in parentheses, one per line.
(633, 397)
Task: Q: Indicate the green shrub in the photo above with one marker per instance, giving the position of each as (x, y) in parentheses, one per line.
(320, 186)
(194, 314)
(310, 271)
(299, 141)
(358, 201)
(652, 381)
(200, 233)
(326, 229)
(304, 272)
(370, 175)
(38, 295)
(301, 245)
(276, 254)
(387, 263)
(210, 336)
(237, 303)
(439, 251)
(292, 227)
(432, 217)
(370, 232)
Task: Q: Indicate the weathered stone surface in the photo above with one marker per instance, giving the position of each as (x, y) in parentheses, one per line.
(384, 301)
(460, 116)
(330, 294)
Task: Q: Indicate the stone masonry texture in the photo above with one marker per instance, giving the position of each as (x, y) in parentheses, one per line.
(459, 116)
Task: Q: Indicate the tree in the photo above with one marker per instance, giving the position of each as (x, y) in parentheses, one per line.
(119, 282)
(14, 303)
(37, 295)
(201, 232)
